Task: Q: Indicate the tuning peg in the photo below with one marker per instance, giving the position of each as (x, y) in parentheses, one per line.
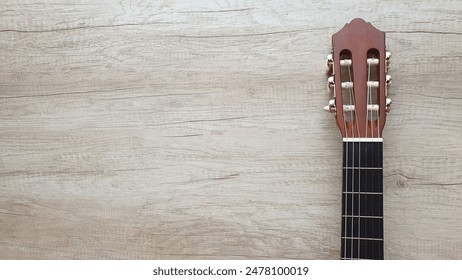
(330, 107)
(388, 80)
(387, 57)
(330, 60)
(330, 65)
(330, 82)
(388, 103)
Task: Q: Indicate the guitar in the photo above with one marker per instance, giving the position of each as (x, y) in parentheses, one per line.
(358, 81)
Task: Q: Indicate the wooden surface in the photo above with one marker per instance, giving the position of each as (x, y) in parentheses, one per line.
(195, 129)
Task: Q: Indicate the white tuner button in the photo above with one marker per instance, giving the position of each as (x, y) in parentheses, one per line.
(330, 107)
(330, 60)
(330, 82)
(388, 103)
(388, 80)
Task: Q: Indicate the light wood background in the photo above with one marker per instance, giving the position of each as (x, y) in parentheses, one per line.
(195, 130)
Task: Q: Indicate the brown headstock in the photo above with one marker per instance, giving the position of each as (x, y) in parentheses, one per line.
(359, 80)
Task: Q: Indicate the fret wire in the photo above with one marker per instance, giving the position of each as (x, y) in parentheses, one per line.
(364, 140)
(355, 259)
(362, 238)
(362, 168)
(362, 217)
(363, 193)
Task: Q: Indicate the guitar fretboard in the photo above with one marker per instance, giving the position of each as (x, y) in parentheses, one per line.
(362, 200)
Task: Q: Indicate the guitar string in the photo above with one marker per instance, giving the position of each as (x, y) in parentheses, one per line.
(369, 101)
(374, 115)
(381, 85)
(347, 157)
(353, 164)
(347, 160)
(345, 220)
(378, 99)
(354, 118)
(359, 185)
(351, 93)
(378, 124)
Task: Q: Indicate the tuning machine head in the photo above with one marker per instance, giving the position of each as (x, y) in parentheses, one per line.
(330, 60)
(388, 105)
(330, 70)
(330, 107)
(387, 57)
(388, 80)
(330, 83)
(330, 64)
(387, 60)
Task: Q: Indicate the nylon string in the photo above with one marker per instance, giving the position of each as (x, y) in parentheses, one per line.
(351, 93)
(353, 115)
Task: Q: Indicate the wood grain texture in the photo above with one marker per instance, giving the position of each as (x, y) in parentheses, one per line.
(195, 130)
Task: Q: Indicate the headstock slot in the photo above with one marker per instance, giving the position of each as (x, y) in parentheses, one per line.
(346, 88)
(373, 65)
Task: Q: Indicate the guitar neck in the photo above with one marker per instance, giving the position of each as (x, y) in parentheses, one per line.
(362, 199)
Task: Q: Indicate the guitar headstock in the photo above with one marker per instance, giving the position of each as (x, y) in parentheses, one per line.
(358, 67)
